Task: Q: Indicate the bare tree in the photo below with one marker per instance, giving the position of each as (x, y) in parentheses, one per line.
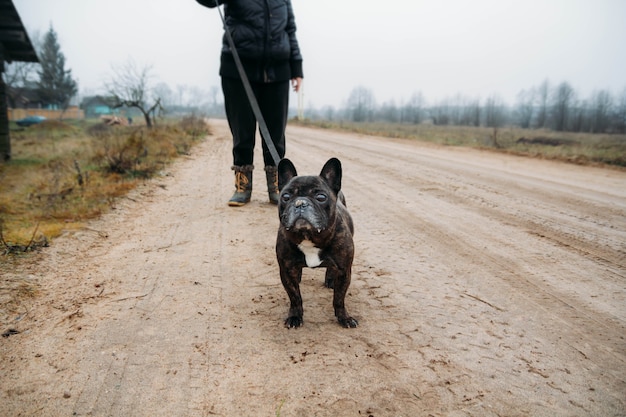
(182, 92)
(18, 77)
(196, 97)
(130, 87)
(474, 113)
(494, 111)
(456, 105)
(361, 104)
(328, 112)
(389, 112)
(469, 112)
(441, 113)
(166, 94)
(494, 116)
(543, 94)
(525, 107)
(579, 116)
(561, 106)
(213, 93)
(619, 115)
(413, 111)
(601, 108)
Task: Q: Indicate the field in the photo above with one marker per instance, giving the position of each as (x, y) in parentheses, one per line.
(578, 148)
(484, 283)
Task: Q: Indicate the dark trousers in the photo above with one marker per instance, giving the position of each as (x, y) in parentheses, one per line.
(273, 99)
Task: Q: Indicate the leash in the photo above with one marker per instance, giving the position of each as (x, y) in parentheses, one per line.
(251, 98)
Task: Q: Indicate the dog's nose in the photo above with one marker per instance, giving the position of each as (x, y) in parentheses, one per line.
(301, 203)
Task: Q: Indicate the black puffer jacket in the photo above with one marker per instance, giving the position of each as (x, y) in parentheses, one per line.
(264, 32)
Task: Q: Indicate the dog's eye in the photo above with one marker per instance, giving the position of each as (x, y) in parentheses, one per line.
(286, 197)
(321, 197)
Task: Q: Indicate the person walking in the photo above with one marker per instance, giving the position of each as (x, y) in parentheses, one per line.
(264, 33)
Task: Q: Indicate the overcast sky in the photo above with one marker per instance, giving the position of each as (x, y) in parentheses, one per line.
(394, 47)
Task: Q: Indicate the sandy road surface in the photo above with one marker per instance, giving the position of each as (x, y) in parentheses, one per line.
(484, 285)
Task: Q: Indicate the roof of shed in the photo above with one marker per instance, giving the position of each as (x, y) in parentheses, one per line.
(15, 45)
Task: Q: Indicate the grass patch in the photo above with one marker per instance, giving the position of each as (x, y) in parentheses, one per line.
(63, 174)
(579, 148)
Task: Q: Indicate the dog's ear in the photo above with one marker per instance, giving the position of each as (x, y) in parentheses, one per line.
(286, 171)
(331, 173)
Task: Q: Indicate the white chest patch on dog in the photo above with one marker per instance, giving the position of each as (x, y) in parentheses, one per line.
(311, 253)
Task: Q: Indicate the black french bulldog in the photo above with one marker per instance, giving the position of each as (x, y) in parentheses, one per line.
(315, 231)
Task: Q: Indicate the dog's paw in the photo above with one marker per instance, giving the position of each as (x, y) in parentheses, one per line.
(348, 322)
(293, 321)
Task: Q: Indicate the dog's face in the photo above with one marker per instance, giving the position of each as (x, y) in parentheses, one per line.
(307, 204)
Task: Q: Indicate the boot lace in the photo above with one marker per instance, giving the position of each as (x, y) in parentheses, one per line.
(241, 181)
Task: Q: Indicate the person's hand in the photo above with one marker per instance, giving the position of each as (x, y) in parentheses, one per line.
(296, 83)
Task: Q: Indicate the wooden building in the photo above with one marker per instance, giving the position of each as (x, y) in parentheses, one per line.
(15, 45)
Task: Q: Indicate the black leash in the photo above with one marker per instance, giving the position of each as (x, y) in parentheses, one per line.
(251, 98)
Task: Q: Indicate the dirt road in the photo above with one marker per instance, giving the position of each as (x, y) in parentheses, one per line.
(484, 285)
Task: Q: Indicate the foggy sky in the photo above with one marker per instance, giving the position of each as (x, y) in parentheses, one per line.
(394, 48)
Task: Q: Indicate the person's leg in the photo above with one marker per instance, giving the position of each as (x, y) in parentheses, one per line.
(242, 126)
(241, 121)
(274, 103)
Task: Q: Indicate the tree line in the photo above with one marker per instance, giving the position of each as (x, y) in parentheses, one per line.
(546, 106)
(557, 107)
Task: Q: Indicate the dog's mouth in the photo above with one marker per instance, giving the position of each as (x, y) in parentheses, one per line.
(302, 225)
(305, 225)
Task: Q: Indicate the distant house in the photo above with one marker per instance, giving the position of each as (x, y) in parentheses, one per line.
(24, 98)
(25, 101)
(96, 106)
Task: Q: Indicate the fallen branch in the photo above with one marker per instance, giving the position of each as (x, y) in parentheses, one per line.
(129, 298)
(483, 301)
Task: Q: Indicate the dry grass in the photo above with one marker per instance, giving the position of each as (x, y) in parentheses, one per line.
(579, 148)
(62, 175)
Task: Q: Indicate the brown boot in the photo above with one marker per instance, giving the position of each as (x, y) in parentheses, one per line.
(243, 185)
(271, 174)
